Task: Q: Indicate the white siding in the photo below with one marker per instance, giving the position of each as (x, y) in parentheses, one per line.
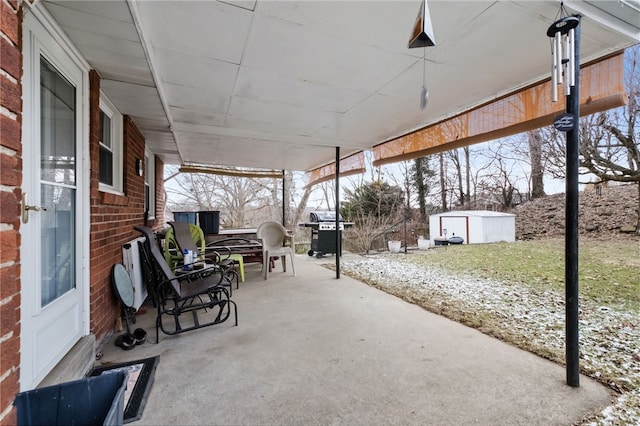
(475, 227)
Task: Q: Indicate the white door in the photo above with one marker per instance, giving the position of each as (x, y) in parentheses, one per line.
(53, 302)
(455, 226)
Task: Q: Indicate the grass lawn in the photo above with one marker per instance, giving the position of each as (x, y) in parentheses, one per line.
(609, 270)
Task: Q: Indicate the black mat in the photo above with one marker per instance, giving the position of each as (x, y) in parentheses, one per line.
(141, 372)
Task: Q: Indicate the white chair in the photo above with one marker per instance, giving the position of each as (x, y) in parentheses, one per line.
(273, 235)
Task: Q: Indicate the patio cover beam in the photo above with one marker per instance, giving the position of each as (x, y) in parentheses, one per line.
(527, 109)
(349, 165)
(226, 171)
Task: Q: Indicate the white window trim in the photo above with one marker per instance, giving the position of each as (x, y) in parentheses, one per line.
(117, 146)
(150, 179)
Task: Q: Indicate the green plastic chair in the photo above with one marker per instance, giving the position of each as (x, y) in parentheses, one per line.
(183, 235)
(174, 250)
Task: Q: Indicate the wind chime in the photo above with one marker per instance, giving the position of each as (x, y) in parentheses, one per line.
(563, 42)
(422, 36)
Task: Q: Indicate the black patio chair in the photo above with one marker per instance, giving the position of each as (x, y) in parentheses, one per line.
(188, 236)
(201, 292)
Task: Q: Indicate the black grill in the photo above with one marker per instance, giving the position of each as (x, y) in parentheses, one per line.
(324, 216)
(323, 232)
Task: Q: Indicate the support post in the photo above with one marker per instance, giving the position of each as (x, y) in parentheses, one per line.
(567, 28)
(406, 213)
(571, 220)
(284, 193)
(338, 233)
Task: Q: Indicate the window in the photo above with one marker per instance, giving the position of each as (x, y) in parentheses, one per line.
(149, 185)
(110, 162)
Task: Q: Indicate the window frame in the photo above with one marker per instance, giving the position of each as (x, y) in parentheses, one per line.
(117, 147)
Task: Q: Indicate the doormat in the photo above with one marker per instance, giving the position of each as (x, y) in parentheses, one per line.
(140, 379)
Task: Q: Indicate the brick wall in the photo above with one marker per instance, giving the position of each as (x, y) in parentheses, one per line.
(113, 216)
(10, 195)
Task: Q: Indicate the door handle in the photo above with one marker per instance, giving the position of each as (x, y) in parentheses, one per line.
(25, 209)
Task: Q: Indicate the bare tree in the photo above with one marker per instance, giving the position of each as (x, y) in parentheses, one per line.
(503, 175)
(457, 164)
(467, 156)
(370, 233)
(537, 170)
(242, 201)
(480, 169)
(443, 183)
(609, 141)
(421, 176)
(328, 194)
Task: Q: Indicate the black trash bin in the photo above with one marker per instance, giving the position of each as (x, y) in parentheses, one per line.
(95, 400)
(440, 241)
(209, 221)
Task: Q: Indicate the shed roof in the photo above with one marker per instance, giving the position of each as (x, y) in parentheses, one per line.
(475, 213)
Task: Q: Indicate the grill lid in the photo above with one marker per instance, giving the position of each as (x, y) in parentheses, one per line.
(324, 216)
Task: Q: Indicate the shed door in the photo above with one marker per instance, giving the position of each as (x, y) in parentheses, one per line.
(455, 225)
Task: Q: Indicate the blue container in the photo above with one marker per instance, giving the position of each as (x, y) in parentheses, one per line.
(95, 400)
(189, 217)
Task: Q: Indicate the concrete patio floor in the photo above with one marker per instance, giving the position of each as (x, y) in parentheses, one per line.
(312, 349)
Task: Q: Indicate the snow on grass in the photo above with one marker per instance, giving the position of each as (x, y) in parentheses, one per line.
(532, 319)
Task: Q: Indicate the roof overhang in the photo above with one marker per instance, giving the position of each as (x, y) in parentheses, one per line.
(281, 84)
(525, 110)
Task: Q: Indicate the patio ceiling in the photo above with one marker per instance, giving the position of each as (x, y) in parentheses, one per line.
(280, 84)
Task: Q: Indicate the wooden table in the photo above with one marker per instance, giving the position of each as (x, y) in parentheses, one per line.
(237, 243)
(249, 233)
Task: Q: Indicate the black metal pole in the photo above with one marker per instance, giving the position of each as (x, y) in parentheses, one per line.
(571, 221)
(405, 230)
(284, 219)
(338, 232)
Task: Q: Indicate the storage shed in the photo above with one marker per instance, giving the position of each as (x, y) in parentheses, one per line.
(475, 226)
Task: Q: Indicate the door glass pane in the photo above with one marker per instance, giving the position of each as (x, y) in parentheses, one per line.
(57, 186)
(57, 126)
(58, 242)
